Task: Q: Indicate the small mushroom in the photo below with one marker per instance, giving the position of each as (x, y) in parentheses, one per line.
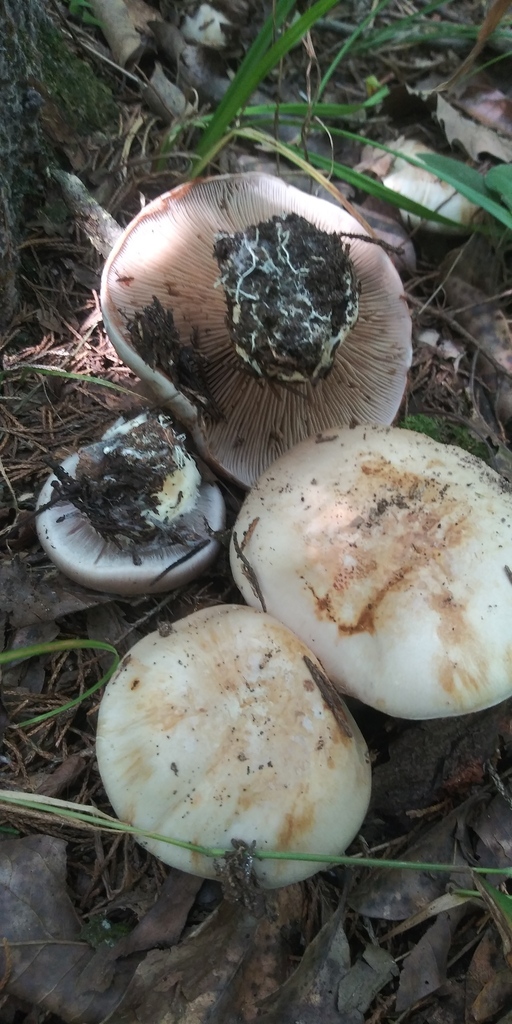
(226, 729)
(390, 555)
(131, 513)
(424, 187)
(206, 26)
(252, 312)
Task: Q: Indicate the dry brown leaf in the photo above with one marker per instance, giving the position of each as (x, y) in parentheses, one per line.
(42, 960)
(28, 597)
(425, 968)
(116, 23)
(395, 894)
(487, 104)
(496, 996)
(191, 983)
(492, 823)
(310, 994)
(474, 139)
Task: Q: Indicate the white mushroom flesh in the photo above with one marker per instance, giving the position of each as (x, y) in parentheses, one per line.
(424, 187)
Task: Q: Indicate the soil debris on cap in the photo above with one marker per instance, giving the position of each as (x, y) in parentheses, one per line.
(292, 295)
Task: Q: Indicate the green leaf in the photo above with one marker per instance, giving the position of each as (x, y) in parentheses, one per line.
(499, 180)
(466, 180)
(501, 901)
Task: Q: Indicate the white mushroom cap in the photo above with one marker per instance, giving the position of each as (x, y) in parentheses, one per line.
(424, 187)
(245, 421)
(219, 731)
(387, 553)
(140, 520)
(206, 26)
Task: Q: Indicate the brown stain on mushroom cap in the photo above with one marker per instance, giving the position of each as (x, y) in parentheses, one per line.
(412, 523)
(229, 743)
(387, 552)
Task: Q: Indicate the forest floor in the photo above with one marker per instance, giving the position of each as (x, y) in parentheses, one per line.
(94, 926)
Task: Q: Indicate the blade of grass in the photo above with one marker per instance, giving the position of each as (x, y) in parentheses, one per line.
(356, 178)
(296, 157)
(229, 106)
(19, 653)
(251, 72)
(348, 44)
(93, 816)
(467, 181)
(47, 371)
(324, 110)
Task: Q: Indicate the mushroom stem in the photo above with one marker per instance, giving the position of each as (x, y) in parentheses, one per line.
(292, 296)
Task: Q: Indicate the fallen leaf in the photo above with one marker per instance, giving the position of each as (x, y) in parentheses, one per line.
(499, 905)
(190, 983)
(425, 968)
(28, 597)
(492, 823)
(363, 982)
(311, 993)
(495, 996)
(474, 139)
(395, 894)
(41, 957)
(482, 101)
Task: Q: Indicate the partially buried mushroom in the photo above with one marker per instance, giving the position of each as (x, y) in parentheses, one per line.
(426, 188)
(255, 316)
(390, 555)
(226, 729)
(131, 514)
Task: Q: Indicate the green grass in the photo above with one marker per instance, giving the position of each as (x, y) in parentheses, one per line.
(235, 118)
(20, 653)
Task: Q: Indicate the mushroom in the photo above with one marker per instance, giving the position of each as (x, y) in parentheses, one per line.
(206, 26)
(131, 513)
(424, 187)
(257, 314)
(388, 554)
(226, 729)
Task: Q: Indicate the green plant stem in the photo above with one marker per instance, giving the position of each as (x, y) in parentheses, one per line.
(99, 819)
(19, 653)
(347, 46)
(294, 155)
(47, 371)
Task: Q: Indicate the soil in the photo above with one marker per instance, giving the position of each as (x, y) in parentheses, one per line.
(291, 290)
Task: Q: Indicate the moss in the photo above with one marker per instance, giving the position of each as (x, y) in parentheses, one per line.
(101, 932)
(87, 103)
(447, 433)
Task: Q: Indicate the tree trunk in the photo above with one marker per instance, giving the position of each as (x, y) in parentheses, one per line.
(20, 136)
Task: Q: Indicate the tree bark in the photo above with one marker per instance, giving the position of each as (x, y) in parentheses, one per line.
(20, 135)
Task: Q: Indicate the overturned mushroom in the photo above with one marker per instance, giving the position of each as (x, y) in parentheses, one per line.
(131, 513)
(254, 316)
(390, 555)
(226, 729)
